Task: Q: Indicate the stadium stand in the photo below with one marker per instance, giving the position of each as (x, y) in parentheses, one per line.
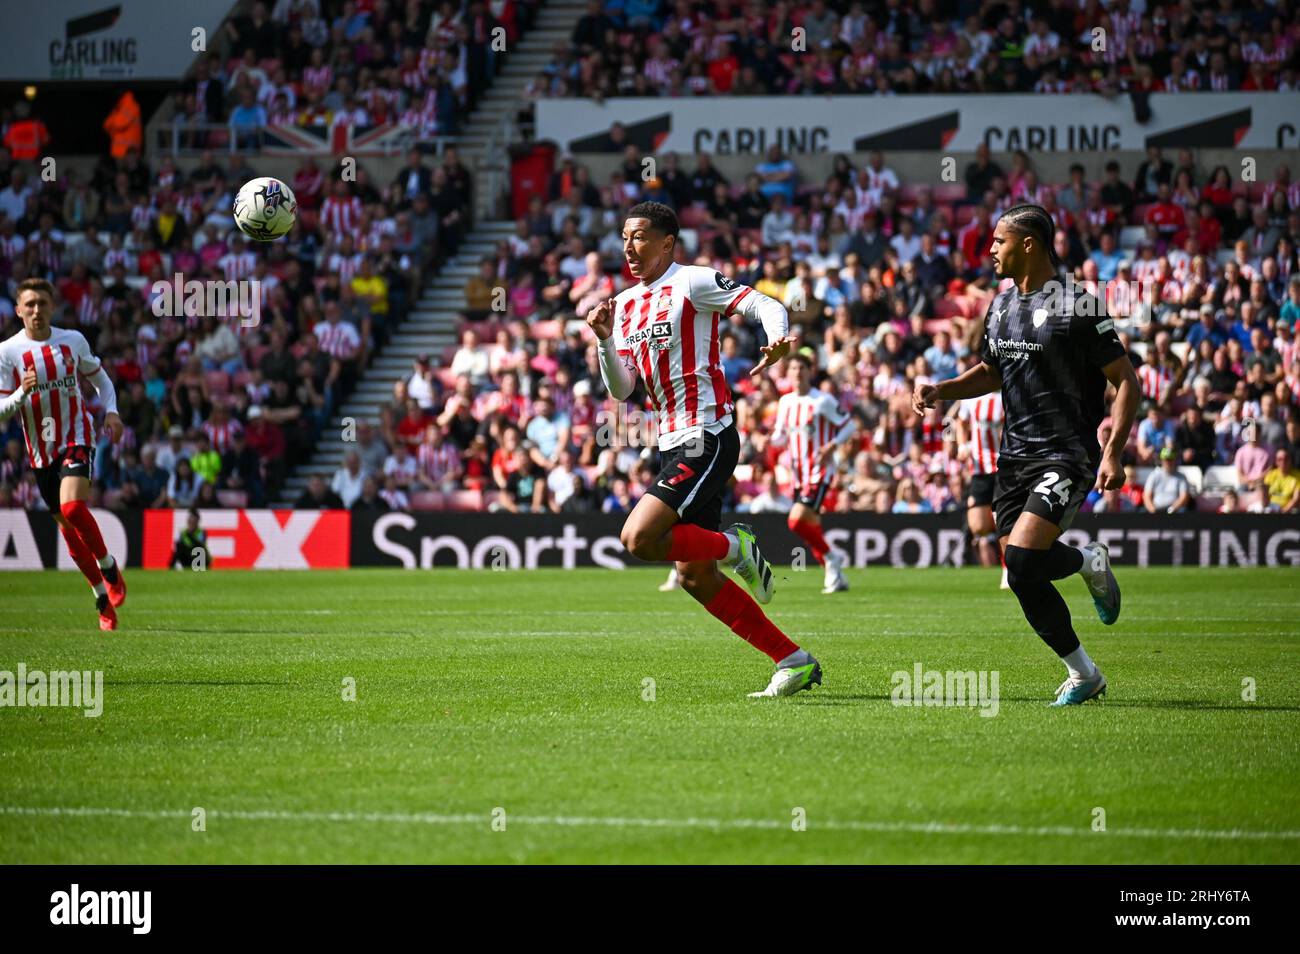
(489, 397)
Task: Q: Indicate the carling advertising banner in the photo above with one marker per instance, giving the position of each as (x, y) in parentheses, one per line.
(748, 125)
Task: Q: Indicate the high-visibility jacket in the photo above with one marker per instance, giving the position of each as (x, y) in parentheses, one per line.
(26, 138)
(124, 127)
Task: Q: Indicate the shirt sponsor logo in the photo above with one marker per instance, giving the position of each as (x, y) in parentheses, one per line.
(1105, 326)
(65, 383)
(725, 283)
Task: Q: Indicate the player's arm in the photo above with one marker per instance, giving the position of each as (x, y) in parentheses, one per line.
(717, 292)
(11, 401)
(848, 426)
(983, 378)
(1123, 413)
(92, 369)
(780, 436)
(618, 371)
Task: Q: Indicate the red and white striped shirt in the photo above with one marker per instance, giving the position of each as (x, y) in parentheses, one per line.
(1291, 190)
(983, 416)
(667, 333)
(805, 424)
(340, 216)
(222, 436)
(55, 415)
(438, 463)
(237, 267)
(1154, 380)
(337, 339)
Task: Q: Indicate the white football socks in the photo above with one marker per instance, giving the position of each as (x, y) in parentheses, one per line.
(733, 547)
(1079, 665)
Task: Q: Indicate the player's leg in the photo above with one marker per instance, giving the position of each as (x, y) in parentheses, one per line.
(796, 668)
(692, 476)
(49, 481)
(74, 492)
(1035, 558)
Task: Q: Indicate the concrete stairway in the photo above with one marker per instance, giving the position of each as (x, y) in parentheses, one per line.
(431, 324)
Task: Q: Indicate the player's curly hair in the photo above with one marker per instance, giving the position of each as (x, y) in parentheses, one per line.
(662, 217)
(1036, 222)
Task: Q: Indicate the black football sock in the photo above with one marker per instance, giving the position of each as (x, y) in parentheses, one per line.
(1061, 560)
(1044, 607)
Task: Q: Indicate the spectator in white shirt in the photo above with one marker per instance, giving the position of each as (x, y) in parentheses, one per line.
(778, 222)
(471, 360)
(770, 500)
(349, 479)
(907, 244)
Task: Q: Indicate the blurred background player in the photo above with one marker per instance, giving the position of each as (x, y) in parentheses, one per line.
(979, 429)
(191, 550)
(40, 378)
(664, 331)
(1051, 354)
(811, 425)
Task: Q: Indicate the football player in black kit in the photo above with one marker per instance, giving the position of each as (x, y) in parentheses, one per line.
(1051, 351)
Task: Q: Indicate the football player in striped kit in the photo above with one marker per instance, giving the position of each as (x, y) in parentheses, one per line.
(811, 426)
(664, 331)
(979, 424)
(40, 378)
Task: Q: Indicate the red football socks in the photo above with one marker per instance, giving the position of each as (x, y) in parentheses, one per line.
(82, 556)
(811, 534)
(78, 514)
(743, 616)
(690, 542)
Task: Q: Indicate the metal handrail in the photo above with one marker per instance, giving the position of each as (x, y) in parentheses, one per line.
(192, 139)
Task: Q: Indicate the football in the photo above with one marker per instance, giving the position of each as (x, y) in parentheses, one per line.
(265, 208)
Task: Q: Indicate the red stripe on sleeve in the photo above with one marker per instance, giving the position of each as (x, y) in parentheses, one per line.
(737, 300)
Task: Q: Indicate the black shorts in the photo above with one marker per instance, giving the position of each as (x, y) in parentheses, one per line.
(980, 493)
(813, 495)
(693, 477)
(1052, 489)
(73, 461)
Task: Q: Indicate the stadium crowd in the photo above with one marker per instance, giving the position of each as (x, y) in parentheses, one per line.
(747, 48)
(886, 283)
(217, 410)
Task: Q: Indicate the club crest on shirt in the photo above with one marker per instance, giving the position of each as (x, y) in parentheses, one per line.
(1040, 316)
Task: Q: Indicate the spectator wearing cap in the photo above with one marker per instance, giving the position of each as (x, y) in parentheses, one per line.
(1167, 490)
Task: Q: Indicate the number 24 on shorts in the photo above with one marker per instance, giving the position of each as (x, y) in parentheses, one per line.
(1053, 483)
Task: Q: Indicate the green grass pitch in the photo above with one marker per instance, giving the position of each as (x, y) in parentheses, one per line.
(504, 717)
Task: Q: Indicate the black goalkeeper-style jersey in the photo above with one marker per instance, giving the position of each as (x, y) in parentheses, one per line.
(1049, 348)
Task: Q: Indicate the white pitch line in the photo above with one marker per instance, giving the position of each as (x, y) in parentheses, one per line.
(714, 824)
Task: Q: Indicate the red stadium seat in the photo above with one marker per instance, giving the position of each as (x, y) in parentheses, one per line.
(465, 500)
(546, 329)
(949, 192)
(945, 310)
(693, 216)
(427, 500)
